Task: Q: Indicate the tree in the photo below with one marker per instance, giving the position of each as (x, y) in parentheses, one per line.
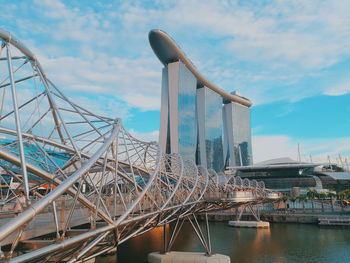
(341, 195)
(311, 195)
(347, 193)
(302, 199)
(331, 196)
(285, 199)
(322, 196)
(293, 199)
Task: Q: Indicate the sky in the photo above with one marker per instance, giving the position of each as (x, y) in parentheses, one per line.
(290, 58)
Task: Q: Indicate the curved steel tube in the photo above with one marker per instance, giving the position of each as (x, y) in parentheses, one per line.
(169, 187)
(40, 205)
(7, 36)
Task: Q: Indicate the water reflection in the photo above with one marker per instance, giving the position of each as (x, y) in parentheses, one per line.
(283, 243)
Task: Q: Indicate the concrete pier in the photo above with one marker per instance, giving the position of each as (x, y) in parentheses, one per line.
(253, 224)
(186, 257)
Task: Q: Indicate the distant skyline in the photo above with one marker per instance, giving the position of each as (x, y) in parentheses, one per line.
(291, 58)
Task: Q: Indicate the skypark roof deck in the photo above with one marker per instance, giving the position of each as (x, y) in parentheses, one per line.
(168, 51)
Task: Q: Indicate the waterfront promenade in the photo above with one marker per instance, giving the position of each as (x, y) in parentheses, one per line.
(326, 215)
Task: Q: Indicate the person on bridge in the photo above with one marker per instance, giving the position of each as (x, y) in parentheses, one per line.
(20, 203)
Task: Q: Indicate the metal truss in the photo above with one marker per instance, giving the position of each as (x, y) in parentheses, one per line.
(89, 184)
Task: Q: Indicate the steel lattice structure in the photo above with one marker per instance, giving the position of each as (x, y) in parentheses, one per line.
(101, 185)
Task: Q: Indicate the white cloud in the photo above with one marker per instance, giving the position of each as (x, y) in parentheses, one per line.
(72, 24)
(298, 36)
(339, 89)
(110, 106)
(145, 136)
(132, 80)
(310, 35)
(143, 101)
(271, 147)
(284, 42)
(103, 61)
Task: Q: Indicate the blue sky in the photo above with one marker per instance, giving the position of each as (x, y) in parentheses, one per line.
(291, 58)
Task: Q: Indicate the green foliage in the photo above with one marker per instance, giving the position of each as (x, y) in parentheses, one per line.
(293, 199)
(311, 194)
(302, 198)
(285, 198)
(331, 195)
(322, 195)
(344, 194)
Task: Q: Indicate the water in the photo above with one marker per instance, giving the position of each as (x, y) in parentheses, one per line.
(282, 243)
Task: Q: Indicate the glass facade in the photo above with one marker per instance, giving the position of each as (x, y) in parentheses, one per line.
(187, 125)
(241, 134)
(210, 129)
(194, 119)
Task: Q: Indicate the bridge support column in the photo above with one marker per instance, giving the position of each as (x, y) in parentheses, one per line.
(2, 255)
(186, 257)
(203, 235)
(254, 224)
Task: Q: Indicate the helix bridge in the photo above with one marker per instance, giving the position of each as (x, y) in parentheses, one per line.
(89, 185)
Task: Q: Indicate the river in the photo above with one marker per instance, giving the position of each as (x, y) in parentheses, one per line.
(282, 243)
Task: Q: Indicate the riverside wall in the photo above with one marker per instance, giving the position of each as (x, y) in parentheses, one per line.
(270, 217)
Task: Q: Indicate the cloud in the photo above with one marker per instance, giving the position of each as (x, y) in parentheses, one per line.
(339, 89)
(72, 24)
(131, 80)
(308, 35)
(278, 43)
(144, 102)
(264, 50)
(145, 136)
(111, 107)
(277, 146)
(271, 147)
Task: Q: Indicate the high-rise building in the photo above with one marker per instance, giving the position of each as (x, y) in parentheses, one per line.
(178, 131)
(210, 129)
(238, 146)
(200, 121)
